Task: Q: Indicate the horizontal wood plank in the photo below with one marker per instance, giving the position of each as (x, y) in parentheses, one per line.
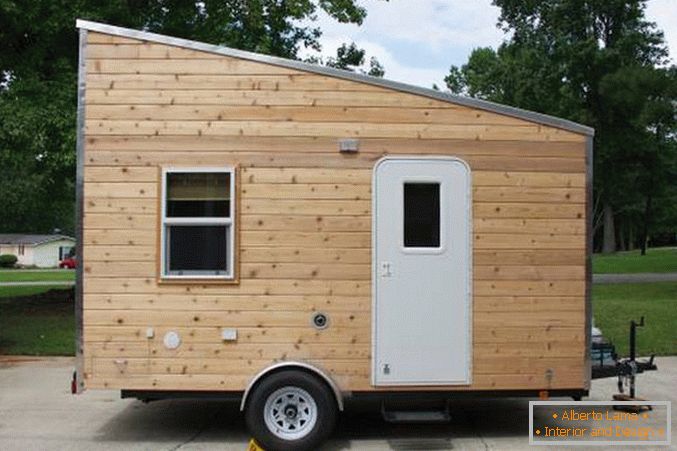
(504, 257)
(224, 90)
(212, 334)
(130, 174)
(101, 38)
(319, 160)
(177, 66)
(316, 144)
(220, 318)
(144, 50)
(231, 351)
(495, 272)
(141, 285)
(171, 79)
(237, 302)
(317, 113)
(521, 241)
(327, 129)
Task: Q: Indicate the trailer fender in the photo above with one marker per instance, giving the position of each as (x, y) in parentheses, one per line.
(292, 365)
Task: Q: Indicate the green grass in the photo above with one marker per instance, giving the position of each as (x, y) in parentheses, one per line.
(655, 260)
(9, 292)
(14, 275)
(32, 326)
(614, 306)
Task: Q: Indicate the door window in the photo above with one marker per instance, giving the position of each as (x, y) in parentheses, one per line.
(421, 215)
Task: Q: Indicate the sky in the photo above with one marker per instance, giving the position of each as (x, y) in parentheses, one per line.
(418, 40)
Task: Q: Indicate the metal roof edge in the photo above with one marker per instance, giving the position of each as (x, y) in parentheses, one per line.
(519, 113)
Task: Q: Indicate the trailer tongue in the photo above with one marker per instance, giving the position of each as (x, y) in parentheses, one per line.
(605, 362)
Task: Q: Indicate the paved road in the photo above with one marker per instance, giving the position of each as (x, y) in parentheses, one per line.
(37, 412)
(647, 277)
(37, 283)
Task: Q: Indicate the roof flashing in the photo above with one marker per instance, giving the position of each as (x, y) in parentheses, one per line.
(506, 110)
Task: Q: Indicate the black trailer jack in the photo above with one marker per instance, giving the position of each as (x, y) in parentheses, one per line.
(607, 364)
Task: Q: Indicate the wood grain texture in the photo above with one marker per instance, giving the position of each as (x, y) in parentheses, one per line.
(305, 223)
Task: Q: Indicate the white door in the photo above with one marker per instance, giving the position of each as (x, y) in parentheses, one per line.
(422, 263)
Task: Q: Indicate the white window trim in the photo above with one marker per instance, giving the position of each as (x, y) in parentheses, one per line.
(230, 222)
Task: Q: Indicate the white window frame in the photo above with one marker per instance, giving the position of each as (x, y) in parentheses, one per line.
(229, 222)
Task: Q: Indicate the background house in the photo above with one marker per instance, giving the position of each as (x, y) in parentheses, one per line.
(43, 251)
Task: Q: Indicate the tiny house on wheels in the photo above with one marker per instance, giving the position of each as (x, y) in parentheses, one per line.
(296, 236)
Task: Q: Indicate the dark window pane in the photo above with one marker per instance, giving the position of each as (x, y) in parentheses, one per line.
(198, 194)
(422, 215)
(198, 209)
(197, 248)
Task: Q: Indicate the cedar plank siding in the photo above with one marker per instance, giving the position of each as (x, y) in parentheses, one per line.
(304, 223)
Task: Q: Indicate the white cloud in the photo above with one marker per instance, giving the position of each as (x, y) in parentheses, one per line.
(437, 24)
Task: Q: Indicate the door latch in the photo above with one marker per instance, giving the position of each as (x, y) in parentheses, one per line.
(386, 269)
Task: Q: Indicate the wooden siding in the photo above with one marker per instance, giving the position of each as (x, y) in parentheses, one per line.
(305, 223)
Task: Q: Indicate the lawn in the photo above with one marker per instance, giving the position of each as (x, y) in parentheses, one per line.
(614, 306)
(33, 326)
(655, 260)
(58, 275)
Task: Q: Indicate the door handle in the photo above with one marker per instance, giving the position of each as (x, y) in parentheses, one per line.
(386, 269)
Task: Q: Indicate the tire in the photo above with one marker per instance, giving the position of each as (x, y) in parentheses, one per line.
(291, 410)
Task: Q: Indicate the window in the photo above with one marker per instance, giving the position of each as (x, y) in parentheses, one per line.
(197, 223)
(421, 215)
(66, 252)
(22, 249)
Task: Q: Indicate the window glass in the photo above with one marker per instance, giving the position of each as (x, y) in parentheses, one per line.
(198, 195)
(197, 248)
(422, 215)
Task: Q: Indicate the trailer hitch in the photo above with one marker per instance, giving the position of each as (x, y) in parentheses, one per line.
(628, 369)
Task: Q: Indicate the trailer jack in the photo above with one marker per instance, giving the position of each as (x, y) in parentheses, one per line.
(607, 364)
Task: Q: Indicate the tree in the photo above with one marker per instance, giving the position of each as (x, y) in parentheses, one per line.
(595, 62)
(351, 58)
(38, 67)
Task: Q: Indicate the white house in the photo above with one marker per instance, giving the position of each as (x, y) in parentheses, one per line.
(43, 251)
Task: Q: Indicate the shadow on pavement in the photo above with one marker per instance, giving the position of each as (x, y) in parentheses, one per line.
(186, 421)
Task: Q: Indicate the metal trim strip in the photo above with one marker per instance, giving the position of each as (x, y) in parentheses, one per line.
(587, 360)
(79, 211)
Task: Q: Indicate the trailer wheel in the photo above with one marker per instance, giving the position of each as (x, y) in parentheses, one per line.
(291, 410)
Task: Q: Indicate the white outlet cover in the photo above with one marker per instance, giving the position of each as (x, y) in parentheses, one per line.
(229, 334)
(172, 340)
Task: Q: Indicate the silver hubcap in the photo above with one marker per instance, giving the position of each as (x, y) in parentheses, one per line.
(290, 413)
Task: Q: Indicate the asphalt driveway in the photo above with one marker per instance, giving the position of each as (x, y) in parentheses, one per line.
(37, 412)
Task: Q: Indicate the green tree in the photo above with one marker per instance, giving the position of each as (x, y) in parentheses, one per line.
(38, 67)
(352, 58)
(596, 62)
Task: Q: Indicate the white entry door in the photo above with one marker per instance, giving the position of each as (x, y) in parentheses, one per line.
(422, 263)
